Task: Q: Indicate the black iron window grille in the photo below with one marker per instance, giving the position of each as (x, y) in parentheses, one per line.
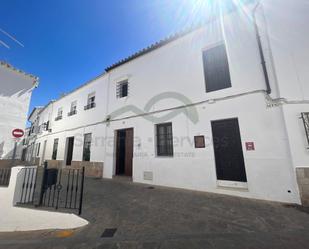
(89, 106)
(122, 89)
(165, 140)
(305, 118)
(58, 118)
(71, 113)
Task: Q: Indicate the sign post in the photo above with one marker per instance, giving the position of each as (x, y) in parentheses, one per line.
(17, 134)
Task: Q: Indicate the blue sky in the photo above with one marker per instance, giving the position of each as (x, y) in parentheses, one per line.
(68, 42)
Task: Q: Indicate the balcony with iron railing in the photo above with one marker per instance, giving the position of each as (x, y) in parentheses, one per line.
(89, 106)
(58, 118)
(71, 113)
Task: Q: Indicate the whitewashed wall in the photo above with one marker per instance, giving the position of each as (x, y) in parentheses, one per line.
(178, 67)
(269, 169)
(15, 94)
(287, 24)
(85, 121)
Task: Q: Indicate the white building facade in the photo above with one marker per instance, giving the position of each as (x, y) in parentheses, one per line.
(15, 95)
(200, 110)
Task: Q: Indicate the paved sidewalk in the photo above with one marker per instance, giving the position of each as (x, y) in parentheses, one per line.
(169, 218)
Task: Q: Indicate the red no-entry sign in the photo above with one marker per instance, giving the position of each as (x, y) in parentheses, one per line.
(17, 133)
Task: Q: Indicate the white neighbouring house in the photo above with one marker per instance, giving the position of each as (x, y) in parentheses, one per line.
(15, 95)
(199, 110)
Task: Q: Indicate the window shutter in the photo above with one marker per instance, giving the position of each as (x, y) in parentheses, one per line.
(216, 69)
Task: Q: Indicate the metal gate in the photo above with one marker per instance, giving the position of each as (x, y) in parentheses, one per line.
(54, 188)
(5, 175)
(28, 185)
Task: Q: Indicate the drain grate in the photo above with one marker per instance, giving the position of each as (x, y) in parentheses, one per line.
(109, 233)
(150, 187)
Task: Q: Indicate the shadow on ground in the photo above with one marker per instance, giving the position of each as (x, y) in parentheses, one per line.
(143, 217)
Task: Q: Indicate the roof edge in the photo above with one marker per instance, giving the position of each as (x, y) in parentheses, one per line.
(158, 44)
(177, 35)
(9, 66)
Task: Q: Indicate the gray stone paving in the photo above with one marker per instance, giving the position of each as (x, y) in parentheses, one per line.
(170, 218)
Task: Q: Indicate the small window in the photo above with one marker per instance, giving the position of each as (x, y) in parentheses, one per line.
(55, 149)
(46, 126)
(90, 101)
(38, 149)
(122, 89)
(59, 114)
(216, 69)
(164, 139)
(87, 147)
(73, 109)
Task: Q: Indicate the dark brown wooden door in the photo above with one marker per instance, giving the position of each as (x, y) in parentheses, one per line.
(124, 152)
(230, 165)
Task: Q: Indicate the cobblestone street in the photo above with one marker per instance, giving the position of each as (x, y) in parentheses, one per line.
(146, 217)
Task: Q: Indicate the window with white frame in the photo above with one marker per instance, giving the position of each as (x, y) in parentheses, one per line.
(122, 89)
(90, 101)
(73, 109)
(59, 114)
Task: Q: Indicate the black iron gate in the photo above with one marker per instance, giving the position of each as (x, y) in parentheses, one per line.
(54, 188)
(5, 175)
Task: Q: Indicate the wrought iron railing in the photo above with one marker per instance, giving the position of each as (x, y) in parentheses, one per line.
(89, 106)
(305, 118)
(5, 175)
(58, 118)
(52, 188)
(71, 113)
(62, 188)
